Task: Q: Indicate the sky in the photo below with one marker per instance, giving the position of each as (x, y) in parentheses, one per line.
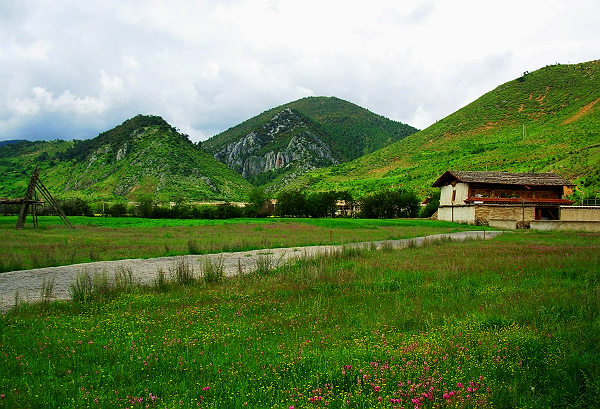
(70, 69)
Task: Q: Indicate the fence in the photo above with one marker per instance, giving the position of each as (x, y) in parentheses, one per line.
(590, 201)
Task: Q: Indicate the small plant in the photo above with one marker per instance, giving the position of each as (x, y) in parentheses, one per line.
(93, 255)
(387, 246)
(17, 300)
(193, 247)
(182, 272)
(412, 243)
(240, 270)
(265, 264)
(123, 279)
(213, 272)
(87, 286)
(350, 252)
(47, 290)
(81, 289)
(101, 283)
(161, 279)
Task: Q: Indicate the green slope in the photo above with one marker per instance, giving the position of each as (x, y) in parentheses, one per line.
(545, 121)
(340, 131)
(144, 155)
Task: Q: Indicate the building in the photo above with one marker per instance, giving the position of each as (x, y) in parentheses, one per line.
(514, 198)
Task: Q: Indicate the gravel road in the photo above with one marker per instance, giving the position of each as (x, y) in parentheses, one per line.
(27, 284)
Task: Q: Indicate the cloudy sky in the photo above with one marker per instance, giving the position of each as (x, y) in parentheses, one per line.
(71, 68)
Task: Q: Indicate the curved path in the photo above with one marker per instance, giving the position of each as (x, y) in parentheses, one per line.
(26, 285)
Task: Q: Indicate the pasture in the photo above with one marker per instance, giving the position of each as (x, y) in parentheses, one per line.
(113, 238)
(504, 323)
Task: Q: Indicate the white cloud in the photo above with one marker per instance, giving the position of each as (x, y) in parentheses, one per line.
(205, 66)
(43, 100)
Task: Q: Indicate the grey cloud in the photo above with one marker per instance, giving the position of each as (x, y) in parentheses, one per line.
(72, 70)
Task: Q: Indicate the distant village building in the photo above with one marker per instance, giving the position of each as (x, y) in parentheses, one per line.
(518, 198)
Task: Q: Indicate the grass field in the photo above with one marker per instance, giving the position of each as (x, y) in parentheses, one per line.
(108, 238)
(512, 322)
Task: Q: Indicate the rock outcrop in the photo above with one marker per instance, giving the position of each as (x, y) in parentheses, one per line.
(284, 142)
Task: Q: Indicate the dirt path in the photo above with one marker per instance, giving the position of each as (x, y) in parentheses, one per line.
(27, 284)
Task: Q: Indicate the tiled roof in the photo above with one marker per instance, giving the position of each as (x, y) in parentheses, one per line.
(502, 178)
(518, 200)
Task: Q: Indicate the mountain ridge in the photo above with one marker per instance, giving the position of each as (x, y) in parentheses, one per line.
(277, 145)
(142, 156)
(547, 120)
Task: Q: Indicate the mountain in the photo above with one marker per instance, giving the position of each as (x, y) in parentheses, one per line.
(280, 144)
(11, 142)
(544, 121)
(142, 156)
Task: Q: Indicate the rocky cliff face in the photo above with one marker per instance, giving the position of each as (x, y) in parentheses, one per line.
(285, 142)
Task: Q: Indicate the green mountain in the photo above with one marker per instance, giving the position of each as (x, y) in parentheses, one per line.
(142, 156)
(280, 144)
(545, 121)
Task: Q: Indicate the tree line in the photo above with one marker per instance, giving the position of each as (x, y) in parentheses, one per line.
(388, 204)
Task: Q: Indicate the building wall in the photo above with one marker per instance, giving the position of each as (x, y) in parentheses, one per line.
(462, 192)
(459, 214)
(503, 224)
(592, 226)
(500, 212)
(580, 213)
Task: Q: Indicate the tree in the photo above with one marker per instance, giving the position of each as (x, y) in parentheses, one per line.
(145, 204)
(389, 204)
(432, 205)
(321, 204)
(257, 203)
(291, 203)
(117, 210)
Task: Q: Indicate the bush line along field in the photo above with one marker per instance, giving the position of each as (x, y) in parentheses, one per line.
(113, 238)
(509, 322)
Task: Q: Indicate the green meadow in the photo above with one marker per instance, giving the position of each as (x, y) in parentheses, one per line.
(512, 322)
(113, 238)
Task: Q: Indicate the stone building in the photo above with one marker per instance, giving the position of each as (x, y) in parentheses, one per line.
(494, 197)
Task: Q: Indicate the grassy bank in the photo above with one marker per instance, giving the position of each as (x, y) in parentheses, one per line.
(510, 322)
(113, 238)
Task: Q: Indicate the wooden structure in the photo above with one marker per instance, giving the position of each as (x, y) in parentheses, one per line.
(478, 197)
(31, 201)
